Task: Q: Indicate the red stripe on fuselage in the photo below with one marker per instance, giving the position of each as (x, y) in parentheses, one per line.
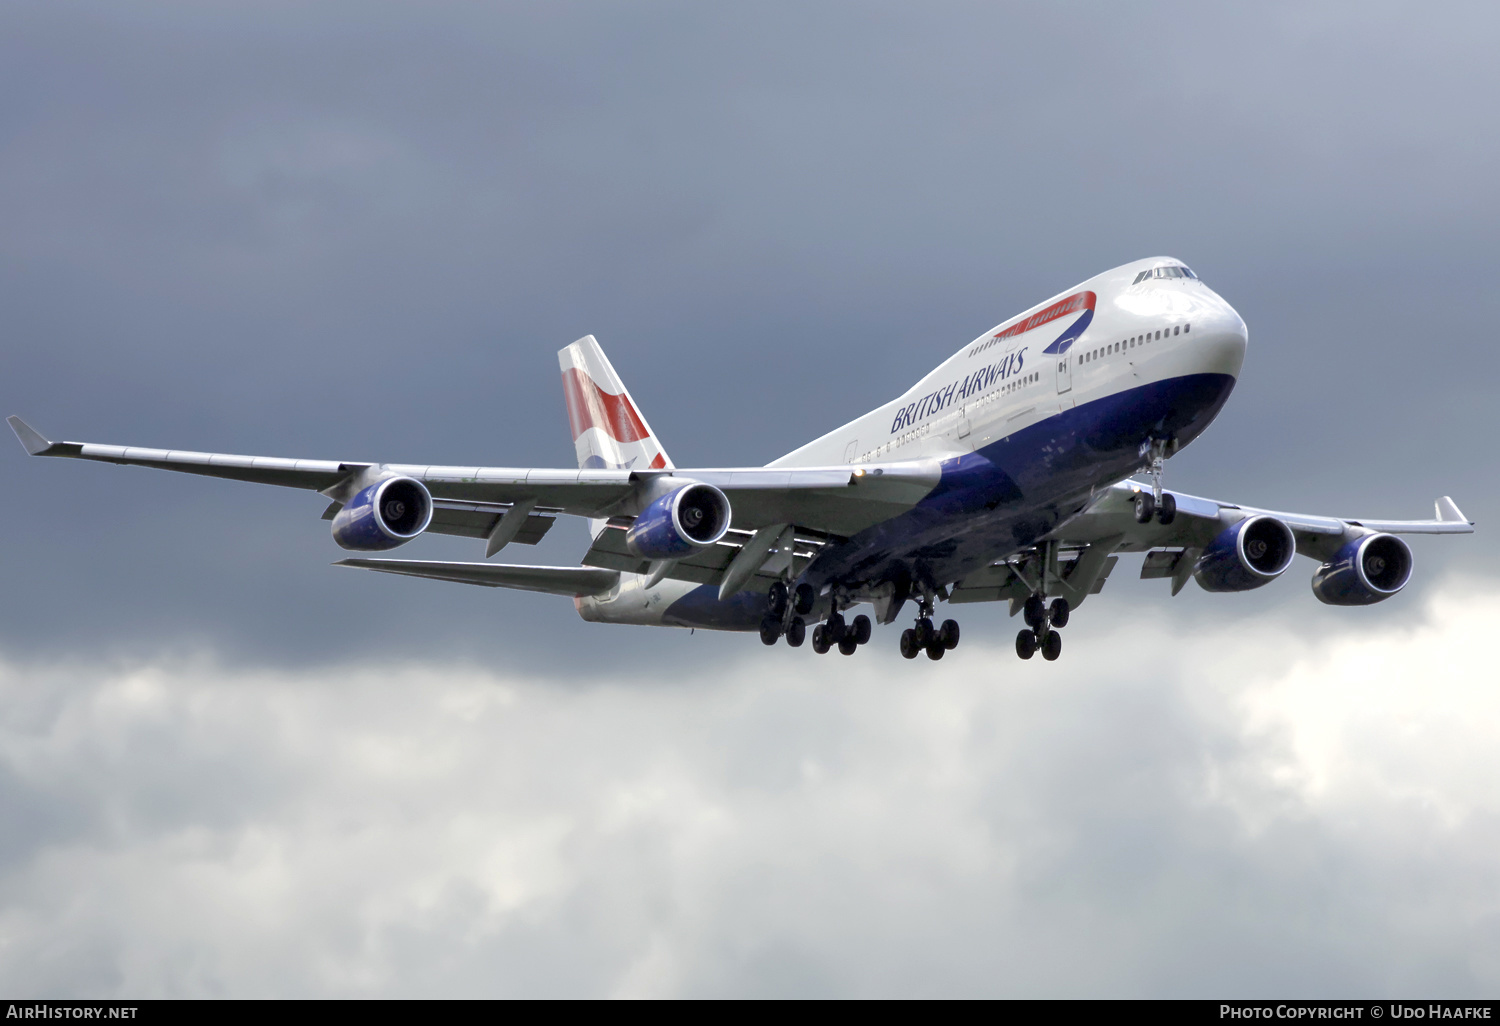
(1077, 301)
(591, 406)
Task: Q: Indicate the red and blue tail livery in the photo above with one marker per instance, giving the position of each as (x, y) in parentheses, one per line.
(609, 432)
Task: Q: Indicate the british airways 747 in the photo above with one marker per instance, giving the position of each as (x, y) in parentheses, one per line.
(1004, 475)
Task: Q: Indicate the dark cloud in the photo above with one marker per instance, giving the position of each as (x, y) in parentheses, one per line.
(362, 232)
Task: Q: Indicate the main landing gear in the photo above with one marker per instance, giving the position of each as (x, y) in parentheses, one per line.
(1042, 621)
(847, 636)
(785, 609)
(925, 638)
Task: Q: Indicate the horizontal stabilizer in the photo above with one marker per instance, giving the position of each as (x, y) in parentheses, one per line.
(551, 580)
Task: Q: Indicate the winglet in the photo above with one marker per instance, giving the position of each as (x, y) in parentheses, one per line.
(30, 437)
(1447, 510)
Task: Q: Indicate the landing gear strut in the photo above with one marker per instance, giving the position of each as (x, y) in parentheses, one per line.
(1156, 503)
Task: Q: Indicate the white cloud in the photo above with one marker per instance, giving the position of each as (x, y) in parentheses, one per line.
(1245, 810)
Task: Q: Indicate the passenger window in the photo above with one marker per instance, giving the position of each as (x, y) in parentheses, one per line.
(1176, 330)
(1186, 328)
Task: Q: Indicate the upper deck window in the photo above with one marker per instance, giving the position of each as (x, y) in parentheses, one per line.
(1178, 271)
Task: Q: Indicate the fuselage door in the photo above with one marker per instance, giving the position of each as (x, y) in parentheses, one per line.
(1064, 373)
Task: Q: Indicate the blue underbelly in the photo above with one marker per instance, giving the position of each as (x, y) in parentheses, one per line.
(990, 502)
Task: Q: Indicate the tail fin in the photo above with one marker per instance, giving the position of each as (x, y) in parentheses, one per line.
(608, 429)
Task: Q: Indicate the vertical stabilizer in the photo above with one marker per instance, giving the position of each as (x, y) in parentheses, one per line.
(609, 432)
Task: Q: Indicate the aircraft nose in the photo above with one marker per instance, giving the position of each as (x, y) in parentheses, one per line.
(1221, 347)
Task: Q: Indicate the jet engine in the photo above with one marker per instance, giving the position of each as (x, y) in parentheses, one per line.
(680, 522)
(386, 514)
(1366, 570)
(1246, 555)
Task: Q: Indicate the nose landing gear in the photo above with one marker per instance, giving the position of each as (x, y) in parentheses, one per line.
(1156, 503)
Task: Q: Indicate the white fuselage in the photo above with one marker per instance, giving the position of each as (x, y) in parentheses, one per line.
(1004, 382)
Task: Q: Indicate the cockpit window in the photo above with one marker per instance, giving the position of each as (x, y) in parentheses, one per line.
(1165, 272)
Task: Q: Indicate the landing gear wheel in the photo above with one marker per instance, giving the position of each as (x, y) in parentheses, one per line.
(796, 631)
(1052, 647)
(923, 632)
(1167, 511)
(803, 598)
(848, 646)
(909, 646)
(935, 650)
(1060, 610)
(836, 628)
(770, 630)
(1145, 507)
(820, 642)
(776, 600)
(948, 634)
(1035, 611)
(861, 628)
(1026, 644)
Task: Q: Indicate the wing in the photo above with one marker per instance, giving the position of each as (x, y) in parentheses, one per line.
(839, 500)
(1107, 525)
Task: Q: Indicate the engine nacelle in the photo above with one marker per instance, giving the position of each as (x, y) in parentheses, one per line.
(386, 514)
(1253, 552)
(1366, 570)
(679, 523)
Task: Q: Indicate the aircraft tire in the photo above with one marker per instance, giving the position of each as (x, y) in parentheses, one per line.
(948, 634)
(923, 636)
(820, 642)
(861, 627)
(1035, 611)
(803, 599)
(935, 650)
(1145, 507)
(1168, 511)
(909, 646)
(776, 600)
(1052, 647)
(770, 630)
(847, 645)
(796, 632)
(1060, 610)
(1026, 644)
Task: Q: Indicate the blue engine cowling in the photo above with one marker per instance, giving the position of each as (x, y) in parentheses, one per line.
(1366, 570)
(1253, 552)
(386, 514)
(677, 524)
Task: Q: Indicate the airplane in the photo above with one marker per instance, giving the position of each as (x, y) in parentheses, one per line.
(1009, 473)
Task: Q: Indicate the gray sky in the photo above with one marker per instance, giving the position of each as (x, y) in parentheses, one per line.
(362, 231)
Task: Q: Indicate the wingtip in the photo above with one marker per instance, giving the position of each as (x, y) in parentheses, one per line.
(30, 437)
(1448, 511)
